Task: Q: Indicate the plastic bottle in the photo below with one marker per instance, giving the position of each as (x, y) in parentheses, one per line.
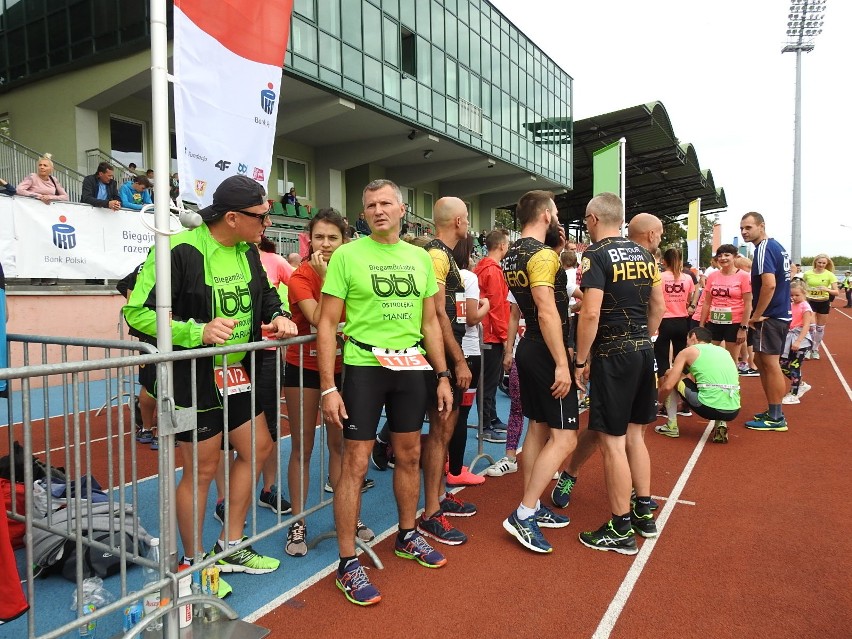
(152, 575)
(87, 630)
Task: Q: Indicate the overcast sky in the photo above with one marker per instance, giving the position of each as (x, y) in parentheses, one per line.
(718, 70)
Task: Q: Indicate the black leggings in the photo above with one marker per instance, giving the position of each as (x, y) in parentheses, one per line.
(671, 336)
(459, 439)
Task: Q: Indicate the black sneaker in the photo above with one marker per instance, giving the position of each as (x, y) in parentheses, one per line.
(654, 505)
(643, 524)
(367, 485)
(561, 494)
(607, 538)
(379, 456)
(269, 499)
(439, 528)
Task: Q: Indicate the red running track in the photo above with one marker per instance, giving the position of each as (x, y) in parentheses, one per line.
(754, 548)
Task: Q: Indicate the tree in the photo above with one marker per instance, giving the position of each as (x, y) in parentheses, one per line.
(504, 218)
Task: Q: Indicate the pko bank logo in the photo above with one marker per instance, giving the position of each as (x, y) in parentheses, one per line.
(267, 99)
(64, 235)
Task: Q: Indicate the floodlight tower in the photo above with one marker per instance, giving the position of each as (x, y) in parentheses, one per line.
(803, 26)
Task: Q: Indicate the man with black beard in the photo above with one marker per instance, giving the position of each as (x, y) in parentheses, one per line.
(548, 394)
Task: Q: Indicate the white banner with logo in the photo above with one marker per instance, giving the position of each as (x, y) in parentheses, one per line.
(228, 58)
(70, 241)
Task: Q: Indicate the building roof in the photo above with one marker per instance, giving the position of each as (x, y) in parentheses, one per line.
(663, 174)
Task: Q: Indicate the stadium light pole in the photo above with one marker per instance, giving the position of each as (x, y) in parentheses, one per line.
(804, 24)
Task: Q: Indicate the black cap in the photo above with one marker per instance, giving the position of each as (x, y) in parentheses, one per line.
(233, 194)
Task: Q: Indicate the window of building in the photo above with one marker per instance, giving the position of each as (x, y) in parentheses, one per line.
(329, 16)
(127, 140)
(304, 39)
(408, 51)
(373, 30)
(390, 38)
(428, 204)
(305, 8)
(292, 174)
(5, 125)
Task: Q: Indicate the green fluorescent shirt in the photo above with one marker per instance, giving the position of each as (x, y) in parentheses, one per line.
(383, 286)
(717, 377)
(231, 297)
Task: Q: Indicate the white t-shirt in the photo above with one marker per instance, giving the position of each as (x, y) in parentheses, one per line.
(470, 341)
(571, 274)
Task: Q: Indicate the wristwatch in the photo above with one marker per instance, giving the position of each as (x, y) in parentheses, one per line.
(743, 327)
(579, 365)
(443, 374)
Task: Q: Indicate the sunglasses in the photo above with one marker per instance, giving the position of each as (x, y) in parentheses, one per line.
(258, 216)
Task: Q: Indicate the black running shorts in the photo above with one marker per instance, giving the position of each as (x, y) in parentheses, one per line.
(690, 396)
(536, 374)
(723, 332)
(211, 422)
(148, 377)
(768, 336)
(820, 307)
(367, 388)
(431, 383)
(623, 391)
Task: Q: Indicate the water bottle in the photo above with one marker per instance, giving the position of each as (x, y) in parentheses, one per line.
(87, 630)
(152, 575)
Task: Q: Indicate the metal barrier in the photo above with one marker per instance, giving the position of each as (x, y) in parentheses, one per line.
(99, 445)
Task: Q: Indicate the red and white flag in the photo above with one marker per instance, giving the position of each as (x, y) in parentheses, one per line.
(228, 59)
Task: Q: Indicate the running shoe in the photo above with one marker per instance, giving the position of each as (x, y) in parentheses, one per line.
(561, 494)
(668, 429)
(379, 456)
(607, 538)
(247, 561)
(439, 528)
(761, 416)
(742, 367)
(453, 506)
(685, 412)
(367, 485)
(789, 398)
(502, 467)
(751, 372)
(144, 436)
(464, 478)
(417, 548)
(653, 503)
(493, 436)
(809, 354)
(804, 387)
(527, 532)
(643, 524)
(269, 499)
(661, 411)
(219, 512)
(720, 432)
(546, 518)
(297, 545)
(779, 425)
(355, 584)
(362, 532)
(498, 426)
(814, 354)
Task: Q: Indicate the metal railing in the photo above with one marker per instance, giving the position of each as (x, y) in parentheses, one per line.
(18, 161)
(96, 156)
(106, 445)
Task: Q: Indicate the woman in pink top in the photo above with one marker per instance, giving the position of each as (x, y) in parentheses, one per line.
(41, 184)
(727, 302)
(679, 293)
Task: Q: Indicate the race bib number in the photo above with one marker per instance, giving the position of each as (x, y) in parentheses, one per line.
(408, 359)
(238, 381)
(721, 315)
(461, 308)
(522, 327)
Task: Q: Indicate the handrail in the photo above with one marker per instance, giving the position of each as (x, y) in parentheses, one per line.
(18, 160)
(96, 156)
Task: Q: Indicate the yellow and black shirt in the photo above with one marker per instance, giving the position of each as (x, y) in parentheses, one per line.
(447, 273)
(530, 263)
(626, 273)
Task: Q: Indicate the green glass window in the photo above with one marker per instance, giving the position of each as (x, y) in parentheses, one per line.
(424, 60)
(304, 39)
(437, 25)
(329, 52)
(452, 78)
(390, 37)
(305, 8)
(437, 69)
(353, 63)
(329, 16)
(372, 30)
(406, 13)
(372, 73)
(422, 8)
(351, 19)
(391, 83)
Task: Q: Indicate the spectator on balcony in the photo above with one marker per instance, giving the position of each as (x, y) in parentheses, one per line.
(135, 194)
(361, 225)
(101, 189)
(41, 184)
(291, 198)
(6, 188)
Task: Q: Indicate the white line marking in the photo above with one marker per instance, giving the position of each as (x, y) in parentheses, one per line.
(837, 371)
(680, 501)
(616, 606)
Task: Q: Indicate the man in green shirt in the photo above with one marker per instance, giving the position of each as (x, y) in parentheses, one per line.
(707, 380)
(389, 292)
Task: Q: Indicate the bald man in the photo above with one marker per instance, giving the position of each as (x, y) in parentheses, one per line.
(645, 230)
(451, 224)
(294, 259)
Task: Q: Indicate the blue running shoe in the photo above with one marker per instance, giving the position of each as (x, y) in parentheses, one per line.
(767, 423)
(355, 584)
(416, 547)
(546, 518)
(438, 528)
(561, 494)
(527, 532)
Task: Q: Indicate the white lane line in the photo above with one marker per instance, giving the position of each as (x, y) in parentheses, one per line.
(837, 371)
(685, 502)
(616, 606)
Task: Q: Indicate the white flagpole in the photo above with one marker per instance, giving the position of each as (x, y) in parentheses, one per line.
(622, 155)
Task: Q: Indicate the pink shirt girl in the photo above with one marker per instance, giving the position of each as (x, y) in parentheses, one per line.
(677, 294)
(726, 296)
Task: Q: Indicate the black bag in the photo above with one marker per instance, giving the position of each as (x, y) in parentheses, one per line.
(96, 562)
(40, 471)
